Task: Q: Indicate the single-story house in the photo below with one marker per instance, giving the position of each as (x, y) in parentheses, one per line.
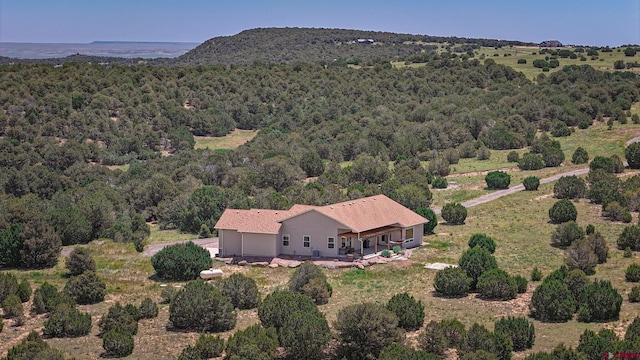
(359, 226)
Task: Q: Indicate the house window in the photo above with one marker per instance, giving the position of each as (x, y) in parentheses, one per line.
(285, 240)
(408, 235)
(331, 242)
(306, 241)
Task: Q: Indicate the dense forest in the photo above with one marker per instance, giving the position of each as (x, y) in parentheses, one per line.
(62, 126)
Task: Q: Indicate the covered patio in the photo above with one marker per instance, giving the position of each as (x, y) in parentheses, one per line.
(370, 241)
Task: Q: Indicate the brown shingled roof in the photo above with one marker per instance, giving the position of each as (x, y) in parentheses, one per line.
(258, 221)
(358, 215)
(370, 213)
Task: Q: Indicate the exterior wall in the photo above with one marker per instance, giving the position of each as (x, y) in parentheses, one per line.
(230, 243)
(259, 245)
(417, 237)
(311, 223)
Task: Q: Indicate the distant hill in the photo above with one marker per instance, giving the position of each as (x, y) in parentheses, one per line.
(286, 45)
(290, 45)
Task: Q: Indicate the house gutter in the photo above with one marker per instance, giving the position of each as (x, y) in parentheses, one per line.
(242, 244)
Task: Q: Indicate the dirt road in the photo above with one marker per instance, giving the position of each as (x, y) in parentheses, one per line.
(500, 193)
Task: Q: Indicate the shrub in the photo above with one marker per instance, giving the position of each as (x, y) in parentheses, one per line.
(513, 156)
(580, 255)
(497, 180)
(476, 339)
(632, 154)
(453, 331)
(580, 156)
(385, 253)
(439, 183)
(432, 339)
(305, 335)
(618, 165)
(552, 302)
(483, 241)
(522, 61)
(602, 301)
(531, 183)
(117, 344)
(632, 274)
(483, 153)
(148, 309)
(303, 276)
(397, 249)
(481, 354)
(590, 229)
(452, 155)
(181, 261)
(134, 311)
(601, 162)
(46, 298)
(569, 187)
(599, 246)
(563, 211)
(566, 234)
(536, 274)
(531, 161)
(202, 307)
(614, 211)
(242, 291)
(439, 167)
(429, 215)
(496, 284)
(634, 294)
(118, 319)
(575, 281)
(552, 157)
(190, 353)
(67, 321)
(12, 307)
(24, 290)
(276, 307)
(593, 346)
(364, 329)
(521, 284)
(503, 345)
(452, 282)
(626, 217)
(255, 342)
(630, 237)
(8, 285)
(33, 347)
(454, 213)
(167, 294)
(209, 346)
(79, 261)
(86, 288)
(627, 252)
(410, 312)
(519, 329)
(633, 330)
(475, 262)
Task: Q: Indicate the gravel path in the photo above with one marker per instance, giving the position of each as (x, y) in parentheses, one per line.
(500, 193)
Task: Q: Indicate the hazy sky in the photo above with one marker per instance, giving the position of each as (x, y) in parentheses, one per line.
(586, 22)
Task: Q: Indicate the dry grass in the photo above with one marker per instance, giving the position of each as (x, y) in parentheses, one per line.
(236, 138)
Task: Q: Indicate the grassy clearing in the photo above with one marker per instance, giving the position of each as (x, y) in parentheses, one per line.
(236, 138)
(510, 55)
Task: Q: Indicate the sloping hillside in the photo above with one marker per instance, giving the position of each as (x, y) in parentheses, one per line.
(290, 45)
